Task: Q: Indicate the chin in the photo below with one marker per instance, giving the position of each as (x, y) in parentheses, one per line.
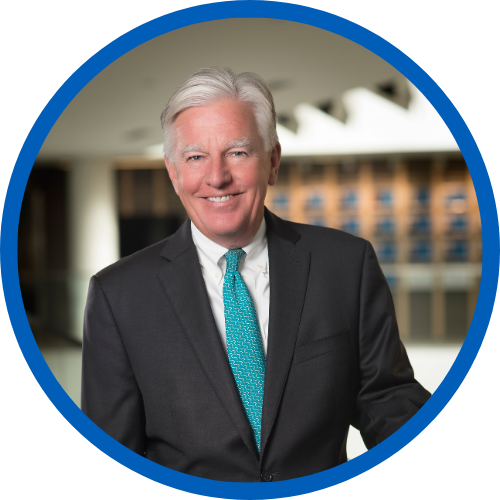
(227, 228)
(226, 231)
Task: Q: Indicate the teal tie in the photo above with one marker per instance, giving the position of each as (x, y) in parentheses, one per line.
(244, 343)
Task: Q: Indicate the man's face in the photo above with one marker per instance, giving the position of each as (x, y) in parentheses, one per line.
(221, 170)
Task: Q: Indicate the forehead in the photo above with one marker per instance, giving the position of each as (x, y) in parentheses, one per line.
(228, 119)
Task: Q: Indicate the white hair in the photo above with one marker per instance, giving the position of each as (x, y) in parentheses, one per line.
(208, 85)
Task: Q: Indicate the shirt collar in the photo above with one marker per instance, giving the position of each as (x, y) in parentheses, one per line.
(211, 254)
(256, 250)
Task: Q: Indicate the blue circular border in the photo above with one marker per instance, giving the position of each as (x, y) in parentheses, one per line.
(288, 12)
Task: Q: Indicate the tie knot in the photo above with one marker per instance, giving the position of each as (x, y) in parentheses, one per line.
(233, 258)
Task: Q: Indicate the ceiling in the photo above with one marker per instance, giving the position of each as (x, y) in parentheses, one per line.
(117, 113)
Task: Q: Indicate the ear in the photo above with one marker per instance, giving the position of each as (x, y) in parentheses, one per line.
(172, 173)
(275, 164)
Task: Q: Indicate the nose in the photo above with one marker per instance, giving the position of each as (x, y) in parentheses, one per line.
(219, 174)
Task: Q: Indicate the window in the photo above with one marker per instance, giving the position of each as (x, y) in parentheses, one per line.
(314, 202)
(386, 251)
(281, 202)
(385, 198)
(456, 201)
(349, 199)
(350, 225)
(457, 224)
(385, 225)
(421, 224)
(422, 197)
(421, 251)
(457, 250)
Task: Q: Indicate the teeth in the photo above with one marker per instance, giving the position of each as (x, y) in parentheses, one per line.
(220, 198)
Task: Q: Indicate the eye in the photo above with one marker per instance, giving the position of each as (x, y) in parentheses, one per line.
(195, 158)
(238, 154)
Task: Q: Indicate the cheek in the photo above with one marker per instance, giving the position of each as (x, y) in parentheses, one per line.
(253, 180)
(188, 184)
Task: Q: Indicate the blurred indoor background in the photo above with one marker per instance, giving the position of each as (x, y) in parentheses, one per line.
(363, 151)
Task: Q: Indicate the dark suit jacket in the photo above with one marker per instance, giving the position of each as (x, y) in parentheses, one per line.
(157, 379)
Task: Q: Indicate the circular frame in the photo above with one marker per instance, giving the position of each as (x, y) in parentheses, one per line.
(227, 10)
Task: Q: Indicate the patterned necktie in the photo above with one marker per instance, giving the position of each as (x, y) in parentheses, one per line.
(244, 342)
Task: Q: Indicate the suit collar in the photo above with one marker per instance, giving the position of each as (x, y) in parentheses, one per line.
(280, 227)
(179, 242)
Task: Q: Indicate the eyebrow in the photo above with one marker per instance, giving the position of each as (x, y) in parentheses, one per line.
(191, 147)
(241, 143)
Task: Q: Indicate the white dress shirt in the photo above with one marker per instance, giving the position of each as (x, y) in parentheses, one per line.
(254, 269)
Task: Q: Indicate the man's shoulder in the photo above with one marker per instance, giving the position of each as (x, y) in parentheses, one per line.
(151, 259)
(143, 261)
(322, 232)
(319, 237)
(334, 251)
(145, 264)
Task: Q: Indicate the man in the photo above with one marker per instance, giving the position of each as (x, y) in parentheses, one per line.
(242, 347)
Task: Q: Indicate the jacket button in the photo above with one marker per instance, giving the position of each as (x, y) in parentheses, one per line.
(266, 476)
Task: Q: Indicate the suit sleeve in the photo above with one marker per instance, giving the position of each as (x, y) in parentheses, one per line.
(388, 394)
(110, 395)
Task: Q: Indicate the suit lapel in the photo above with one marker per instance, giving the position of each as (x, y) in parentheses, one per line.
(182, 282)
(289, 273)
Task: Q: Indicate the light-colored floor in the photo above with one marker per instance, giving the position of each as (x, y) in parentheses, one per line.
(430, 363)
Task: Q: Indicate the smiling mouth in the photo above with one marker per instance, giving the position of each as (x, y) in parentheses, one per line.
(219, 198)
